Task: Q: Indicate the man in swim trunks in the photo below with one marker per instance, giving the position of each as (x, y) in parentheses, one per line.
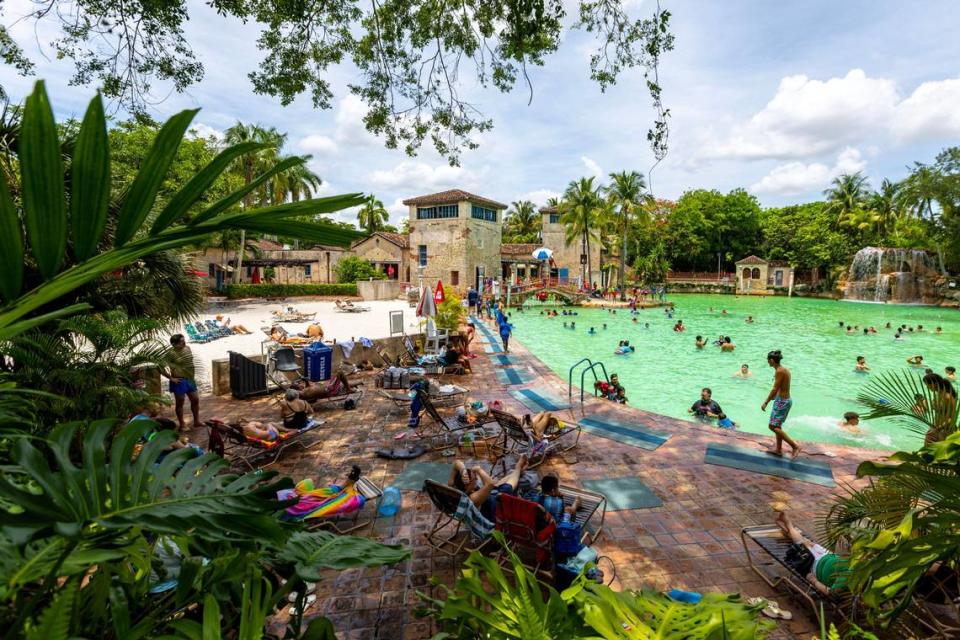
(706, 407)
(182, 376)
(780, 395)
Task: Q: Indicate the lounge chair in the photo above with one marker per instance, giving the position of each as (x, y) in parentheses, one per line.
(196, 336)
(349, 307)
(457, 527)
(347, 523)
(518, 520)
(442, 399)
(519, 440)
(356, 394)
(442, 425)
(229, 441)
(591, 504)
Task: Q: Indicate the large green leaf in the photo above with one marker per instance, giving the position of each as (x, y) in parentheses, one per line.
(11, 246)
(41, 176)
(54, 623)
(90, 181)
(112, 492)
(191, 192)
(143, 192)
(312, 551)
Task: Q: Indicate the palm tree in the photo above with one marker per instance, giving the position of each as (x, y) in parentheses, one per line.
(372, 216)
(846, 194)
(522, 222)
(251, 164)
(579, 212)
(885, 203)
(626, 193)
(297, 182)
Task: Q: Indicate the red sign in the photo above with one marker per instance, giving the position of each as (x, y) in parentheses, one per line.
(438, 295)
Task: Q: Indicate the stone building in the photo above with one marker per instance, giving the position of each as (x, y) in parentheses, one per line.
(388, 252)
(272, 262)
(455, 236)
(757, 276)
(566, 257)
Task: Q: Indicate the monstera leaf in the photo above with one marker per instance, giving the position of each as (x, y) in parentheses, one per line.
(312, 551)
(114, 491)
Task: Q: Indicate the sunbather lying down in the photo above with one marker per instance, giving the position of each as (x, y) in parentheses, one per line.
(828, 570)
(543, 423)
(267, 431)
(312, 391)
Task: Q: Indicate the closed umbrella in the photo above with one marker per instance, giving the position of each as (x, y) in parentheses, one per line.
(427, 307)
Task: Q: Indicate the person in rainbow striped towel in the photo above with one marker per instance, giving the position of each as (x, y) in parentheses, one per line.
(323, 502)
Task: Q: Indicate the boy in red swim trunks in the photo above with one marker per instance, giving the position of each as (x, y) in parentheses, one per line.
(780, 395)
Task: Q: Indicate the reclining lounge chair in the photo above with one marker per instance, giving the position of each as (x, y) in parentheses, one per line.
(348, 522)
(441, 425)
(458, 527)
(519, 439)
(230, 442)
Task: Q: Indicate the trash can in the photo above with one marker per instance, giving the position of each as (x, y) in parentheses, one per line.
(317, 361)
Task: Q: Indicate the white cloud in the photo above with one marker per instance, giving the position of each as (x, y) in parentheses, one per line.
(201, 130)
(417, 177)
(807, 117)
(318, 145)
(796, 178)
(348, 120)
(539, 197)
(592, 166)
(931, 111)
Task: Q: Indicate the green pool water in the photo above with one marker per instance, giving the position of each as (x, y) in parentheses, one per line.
(666, 372)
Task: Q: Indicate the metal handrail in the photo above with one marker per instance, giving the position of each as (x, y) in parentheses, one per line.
(592, 369)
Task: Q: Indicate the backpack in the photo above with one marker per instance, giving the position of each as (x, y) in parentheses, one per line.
(566, 541)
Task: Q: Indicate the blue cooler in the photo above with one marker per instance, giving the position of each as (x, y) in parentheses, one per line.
(317, 361)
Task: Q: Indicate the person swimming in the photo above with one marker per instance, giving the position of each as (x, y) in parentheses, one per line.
(635, 321)
(851, 422)
(861, 366)
(624, 348)
(700, 342)
(743, 371)
(727, 345)
(915, 361)
(679, 326)
(951, 373)
(591, 331)
(646, 325)
(724, 422)
(749, 320)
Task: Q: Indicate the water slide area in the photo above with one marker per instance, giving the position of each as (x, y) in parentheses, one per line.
(666, 372)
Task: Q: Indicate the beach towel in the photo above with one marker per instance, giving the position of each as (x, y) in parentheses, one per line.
(324, 502)
(347, 347)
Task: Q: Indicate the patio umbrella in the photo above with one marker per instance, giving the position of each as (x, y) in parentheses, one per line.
(427, 307)
(542, 253)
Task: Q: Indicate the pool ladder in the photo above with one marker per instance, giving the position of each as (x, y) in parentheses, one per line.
(590, 367)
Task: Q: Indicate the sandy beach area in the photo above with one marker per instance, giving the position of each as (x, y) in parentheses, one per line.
(336, 325)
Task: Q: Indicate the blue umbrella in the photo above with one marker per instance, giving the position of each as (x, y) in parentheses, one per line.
(542, 253)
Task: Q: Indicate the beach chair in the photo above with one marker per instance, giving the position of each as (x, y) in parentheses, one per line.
(591, 514)
(229, 441)
(356, 394)
(443, 399)
(457, 527)
(194, 335)
(349, 307)
(766, 549)
(344, 524)
(518, 439)
(522, 524)
(442, 425)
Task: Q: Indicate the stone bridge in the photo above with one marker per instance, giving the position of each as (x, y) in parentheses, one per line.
(568, 295)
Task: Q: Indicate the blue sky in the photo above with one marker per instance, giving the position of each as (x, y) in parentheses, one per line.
(775, 97)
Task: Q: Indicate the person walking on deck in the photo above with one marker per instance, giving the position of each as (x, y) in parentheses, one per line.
(780, 395)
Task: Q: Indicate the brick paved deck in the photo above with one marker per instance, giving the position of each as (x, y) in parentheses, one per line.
(691, 542)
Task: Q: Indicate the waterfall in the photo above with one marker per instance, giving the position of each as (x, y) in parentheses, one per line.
(889, 275)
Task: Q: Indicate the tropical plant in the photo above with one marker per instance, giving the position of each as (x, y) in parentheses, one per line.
(89, 364)
(352, 268)
(579, 212)
(905, 399)
(485, 603)
(522, 223)
(902, 526)
(52, 212)
(450, 312)
(885, 203)
(372, 216)
(626, 192)
(847, 193)
(121, 538)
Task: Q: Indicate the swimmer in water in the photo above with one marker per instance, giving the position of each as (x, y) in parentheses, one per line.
(938, 331)
(646, 325)
(591, 331)
(724, 422)
(700, 343)
(634, 320)
(727, 345)
(573, 325)
(861, 366)
(851, 422)
(604, 325)
(743, 371)
(951, 373)
(749, 320)
(898, 335)
(916, 361)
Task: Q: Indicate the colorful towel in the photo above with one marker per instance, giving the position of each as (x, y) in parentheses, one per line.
(324, 502)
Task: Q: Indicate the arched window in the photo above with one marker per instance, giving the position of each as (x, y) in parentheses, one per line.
(756, 273)
(746, 272)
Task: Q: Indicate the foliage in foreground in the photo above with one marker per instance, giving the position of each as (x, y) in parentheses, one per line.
(235, 291)
(905, 399)
(92, 531)
(57, 219)
(906, 521)
(485, 603)
(353, 268)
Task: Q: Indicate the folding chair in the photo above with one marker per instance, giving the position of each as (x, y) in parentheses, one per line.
(443, 425)
(522, 523)
(440, 536)
(591, 504)
(284, 361)
(344, 524)
(519, 440)
(235, 446)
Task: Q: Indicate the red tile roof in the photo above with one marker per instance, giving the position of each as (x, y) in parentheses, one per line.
(399, 239)
(452, 196)
(518, 249)
(752, 260)
(269, 245)
(549, 210)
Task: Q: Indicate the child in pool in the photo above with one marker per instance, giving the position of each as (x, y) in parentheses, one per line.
(851, 422)
(724, 422)
(861, 365)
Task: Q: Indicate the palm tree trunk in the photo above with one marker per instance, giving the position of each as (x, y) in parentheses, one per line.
(248, 178)
(583, 266)
(623, 260)
(589, 263)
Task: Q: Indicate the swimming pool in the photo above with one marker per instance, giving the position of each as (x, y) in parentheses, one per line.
(666, 372)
